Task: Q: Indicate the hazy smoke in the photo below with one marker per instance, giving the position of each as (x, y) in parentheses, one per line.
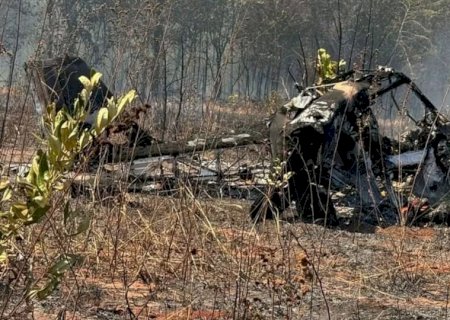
(434, 73)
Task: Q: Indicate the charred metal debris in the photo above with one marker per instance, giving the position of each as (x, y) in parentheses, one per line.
(56, 80)
(330, 140)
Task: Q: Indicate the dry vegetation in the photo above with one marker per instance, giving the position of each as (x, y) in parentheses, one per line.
(186, 256)
(153, 257)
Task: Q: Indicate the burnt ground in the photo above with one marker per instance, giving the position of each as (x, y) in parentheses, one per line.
(183, 257)
(149, 257)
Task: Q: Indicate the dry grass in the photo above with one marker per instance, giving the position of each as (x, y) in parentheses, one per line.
(189, 257)
(151, 257)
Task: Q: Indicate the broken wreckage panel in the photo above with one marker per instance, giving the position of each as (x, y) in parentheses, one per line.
(331, 140)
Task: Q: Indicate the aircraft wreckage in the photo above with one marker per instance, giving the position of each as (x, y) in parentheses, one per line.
(324, 140)
(332, 140)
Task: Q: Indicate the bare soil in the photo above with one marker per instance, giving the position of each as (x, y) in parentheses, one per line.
(181, 258)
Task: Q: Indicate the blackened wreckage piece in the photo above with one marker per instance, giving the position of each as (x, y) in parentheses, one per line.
(331, 140)
(57, 80)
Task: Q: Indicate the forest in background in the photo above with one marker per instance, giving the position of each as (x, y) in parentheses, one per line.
(182, 53)
(220, 48)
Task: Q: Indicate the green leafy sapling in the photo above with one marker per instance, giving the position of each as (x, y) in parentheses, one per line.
(28, 200)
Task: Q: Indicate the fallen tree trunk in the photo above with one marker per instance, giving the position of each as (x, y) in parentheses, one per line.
(193, 146)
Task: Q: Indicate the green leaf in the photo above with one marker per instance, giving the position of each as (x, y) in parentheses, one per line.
(64, 263)
(84, 140)
(60, 185)
(64, 131)
(102, 120)
(83, 99)
(113, 110)
(40, 201)
(20, 210)
(83, 225)
(95, 79)
(36, 214)
(125, 100)
(7, 195)
(42, 173)
(3, 254)
(4, 183)
(72, 141)
(326, 68)
(48, 289)
(54, 276)
(34, 169)
(36, 192)
(85, 82)
(59, 121)
(54, 146)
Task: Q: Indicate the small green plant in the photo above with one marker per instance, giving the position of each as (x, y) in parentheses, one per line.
(327, 69)
(28, 200)
(277, 180)
(278, 177)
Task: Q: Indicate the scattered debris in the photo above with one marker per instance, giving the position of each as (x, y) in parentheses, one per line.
(135, 161)
(329, 137)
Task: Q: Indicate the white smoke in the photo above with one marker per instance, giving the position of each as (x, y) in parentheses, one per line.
(434, 73)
